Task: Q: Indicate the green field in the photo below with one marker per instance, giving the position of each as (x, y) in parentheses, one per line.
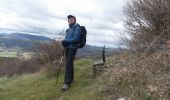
(8, 53)
(38, 87)
(15, 54)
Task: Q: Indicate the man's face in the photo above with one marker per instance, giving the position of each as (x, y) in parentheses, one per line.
(71, 20)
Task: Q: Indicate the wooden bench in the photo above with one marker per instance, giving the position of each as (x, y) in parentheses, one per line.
(100, 65)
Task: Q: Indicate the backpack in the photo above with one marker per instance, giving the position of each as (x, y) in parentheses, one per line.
(83, 34)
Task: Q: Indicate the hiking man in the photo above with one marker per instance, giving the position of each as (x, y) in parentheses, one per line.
(71, 44)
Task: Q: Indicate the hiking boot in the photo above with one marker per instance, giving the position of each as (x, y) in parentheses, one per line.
(65, 87)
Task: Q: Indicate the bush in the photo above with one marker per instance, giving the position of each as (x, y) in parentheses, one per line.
(18, 66)
(133, 78)
(49, 55)
(143, 71)
(46, 58)
(148, 24)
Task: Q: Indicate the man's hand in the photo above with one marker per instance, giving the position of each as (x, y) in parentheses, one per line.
(64, 43)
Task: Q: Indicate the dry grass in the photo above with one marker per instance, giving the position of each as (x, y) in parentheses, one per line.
(146, 78)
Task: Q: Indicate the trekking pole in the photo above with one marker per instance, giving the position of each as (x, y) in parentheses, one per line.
(61, 61)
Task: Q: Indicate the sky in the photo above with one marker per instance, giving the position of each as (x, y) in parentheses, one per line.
(103, 19)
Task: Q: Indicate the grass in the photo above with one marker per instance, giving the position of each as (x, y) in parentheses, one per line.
(116, 82)
(38, 87)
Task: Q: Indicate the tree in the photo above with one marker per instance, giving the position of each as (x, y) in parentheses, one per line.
(148, 24)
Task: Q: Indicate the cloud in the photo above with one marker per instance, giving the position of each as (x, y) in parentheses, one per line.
(103, 19)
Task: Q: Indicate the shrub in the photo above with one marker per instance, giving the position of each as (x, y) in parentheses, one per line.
(46, 58)
(148, 24)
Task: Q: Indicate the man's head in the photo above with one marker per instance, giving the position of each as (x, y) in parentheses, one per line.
(71, 19)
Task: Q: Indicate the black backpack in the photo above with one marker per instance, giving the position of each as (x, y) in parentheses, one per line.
(82, 37)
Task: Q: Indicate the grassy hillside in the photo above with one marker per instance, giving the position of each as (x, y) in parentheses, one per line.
(121, 79)
(38, 87)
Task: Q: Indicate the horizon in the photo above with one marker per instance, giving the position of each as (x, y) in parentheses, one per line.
(48, 18)
(61, 36)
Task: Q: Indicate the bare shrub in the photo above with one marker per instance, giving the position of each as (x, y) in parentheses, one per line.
(49, 54)
(148, 24)
(19, 66)
(143, 71)
(133, 78)
(46, 58)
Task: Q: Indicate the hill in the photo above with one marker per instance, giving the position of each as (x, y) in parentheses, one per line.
(25, 42)
(95, 52)
(20, 40)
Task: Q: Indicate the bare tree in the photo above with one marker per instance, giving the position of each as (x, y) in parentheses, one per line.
(148, 24)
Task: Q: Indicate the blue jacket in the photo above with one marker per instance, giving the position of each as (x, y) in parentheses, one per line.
(73, 36)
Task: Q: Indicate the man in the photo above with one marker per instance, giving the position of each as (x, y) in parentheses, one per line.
(71, 43)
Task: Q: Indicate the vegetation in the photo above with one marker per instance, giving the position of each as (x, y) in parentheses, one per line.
(40, 87)
(147, 24)
(142, 72)
(8, 54)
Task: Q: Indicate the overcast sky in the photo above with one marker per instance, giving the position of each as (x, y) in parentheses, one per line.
(102, 18)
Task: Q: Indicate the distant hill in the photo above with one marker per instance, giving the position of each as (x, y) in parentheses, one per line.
(24, 36)
(20, 40)
(93, 51)
(30, 37)
(26, 42)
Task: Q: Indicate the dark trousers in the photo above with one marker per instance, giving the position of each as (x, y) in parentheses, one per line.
(69, 72)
